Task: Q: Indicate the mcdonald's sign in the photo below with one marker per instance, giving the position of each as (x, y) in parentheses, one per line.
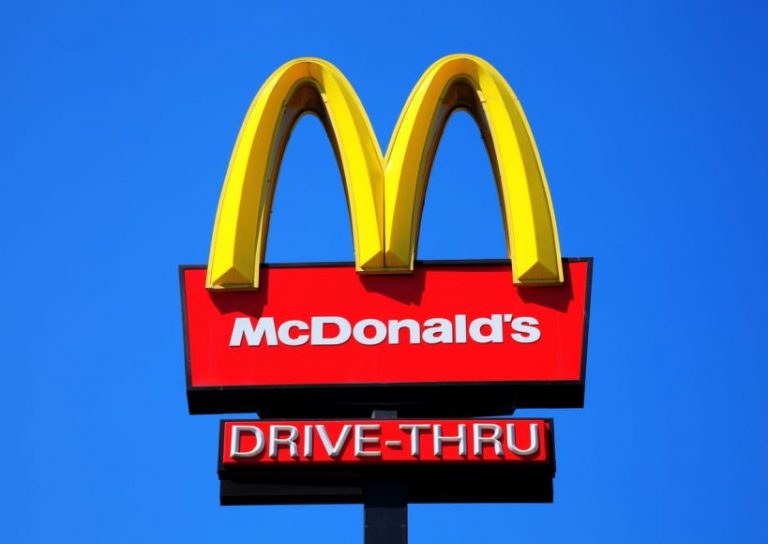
(387, 331)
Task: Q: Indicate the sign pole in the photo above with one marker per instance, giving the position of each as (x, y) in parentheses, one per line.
(385, 509)
(385, 504)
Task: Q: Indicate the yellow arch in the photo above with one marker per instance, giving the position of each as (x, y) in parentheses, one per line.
(385, 197)
(470, 83)
(242, 220)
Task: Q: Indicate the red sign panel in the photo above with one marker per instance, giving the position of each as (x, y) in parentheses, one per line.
(396, 441)
(321, 326)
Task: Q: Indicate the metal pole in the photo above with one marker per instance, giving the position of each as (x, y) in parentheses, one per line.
(385, 504)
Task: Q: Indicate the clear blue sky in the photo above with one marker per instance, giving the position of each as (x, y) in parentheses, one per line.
(116, 125)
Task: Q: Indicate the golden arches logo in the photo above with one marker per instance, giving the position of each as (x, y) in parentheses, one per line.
(385, 194)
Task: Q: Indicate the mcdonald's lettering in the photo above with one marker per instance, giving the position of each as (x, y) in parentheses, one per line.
(386, 330)
(369, 332)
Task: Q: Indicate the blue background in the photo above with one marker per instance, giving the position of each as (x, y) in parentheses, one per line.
(116, 126)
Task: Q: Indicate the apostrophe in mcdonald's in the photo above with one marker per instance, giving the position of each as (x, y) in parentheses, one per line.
(385, 193)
